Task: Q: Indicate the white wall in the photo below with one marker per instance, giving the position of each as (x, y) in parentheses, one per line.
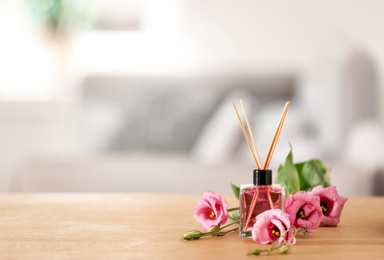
(33, 129)
(245, 37)
(256, 36)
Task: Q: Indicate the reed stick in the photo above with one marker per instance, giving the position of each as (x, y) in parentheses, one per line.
(246, 136)
(276, 137)
(253, 205)
(251, 134)
(266, 164)
(251, 208)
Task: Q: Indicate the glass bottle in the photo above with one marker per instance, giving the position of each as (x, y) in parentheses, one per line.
(258, 197)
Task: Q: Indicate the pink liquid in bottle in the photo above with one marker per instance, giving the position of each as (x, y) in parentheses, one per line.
(258, 197)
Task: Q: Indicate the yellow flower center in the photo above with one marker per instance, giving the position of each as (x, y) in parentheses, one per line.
(275, 231)
(300, 214)
(212, 215)
(324, 207)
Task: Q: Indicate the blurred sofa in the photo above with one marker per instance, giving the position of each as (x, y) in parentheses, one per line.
(180, 134)
(154, 134)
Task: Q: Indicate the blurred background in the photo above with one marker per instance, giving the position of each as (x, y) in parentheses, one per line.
(135, 95)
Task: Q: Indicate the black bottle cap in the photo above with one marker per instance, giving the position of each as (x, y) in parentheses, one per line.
(262, 177)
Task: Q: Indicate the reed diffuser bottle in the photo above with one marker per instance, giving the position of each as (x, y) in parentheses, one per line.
(258, 197)
(261, 195)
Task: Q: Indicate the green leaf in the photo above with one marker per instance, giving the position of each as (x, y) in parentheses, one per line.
(327, 182)
(302, 176)
(235, 216)
(281, 177)
(315, 173)
(288, 175)
(303, 183)
(236, 190)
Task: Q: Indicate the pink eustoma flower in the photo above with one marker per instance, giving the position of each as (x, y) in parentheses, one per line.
(211, 210)
(304, 210)
(331, 204)
(271, 225)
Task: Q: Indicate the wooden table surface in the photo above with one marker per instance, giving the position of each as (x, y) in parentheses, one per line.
(150, 226)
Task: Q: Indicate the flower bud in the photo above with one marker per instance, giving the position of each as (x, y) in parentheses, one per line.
(214, 229)
(194, 234)
(255, 252)
(284, 249)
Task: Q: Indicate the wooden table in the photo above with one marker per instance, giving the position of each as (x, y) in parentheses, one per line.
(136, 226)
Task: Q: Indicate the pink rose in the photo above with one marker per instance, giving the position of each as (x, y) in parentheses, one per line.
(331, 204)
(304, 210)
(271, 225)
(211, 210)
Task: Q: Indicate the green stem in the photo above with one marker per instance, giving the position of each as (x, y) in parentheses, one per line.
(286, 242)
(219, 232)
(230, 224)
(232, 209)
(231, 230)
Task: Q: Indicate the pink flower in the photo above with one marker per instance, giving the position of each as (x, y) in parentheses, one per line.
(304, 210)
(331, 204)
(211, 210)
(271, 225)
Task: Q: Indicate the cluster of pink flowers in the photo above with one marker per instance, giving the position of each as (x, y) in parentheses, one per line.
(308, 210)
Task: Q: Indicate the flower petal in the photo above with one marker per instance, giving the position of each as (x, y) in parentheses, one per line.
(333, 202)
(208, 203)
(265, 222)
(309, 205)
